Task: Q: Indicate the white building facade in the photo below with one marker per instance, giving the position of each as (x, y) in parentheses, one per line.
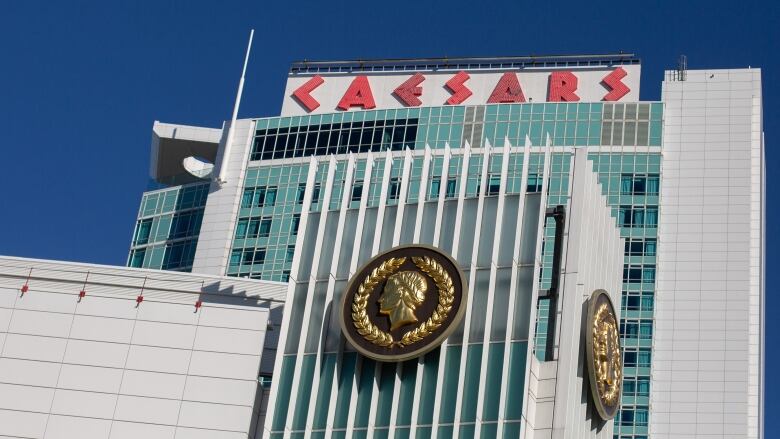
(92, 351)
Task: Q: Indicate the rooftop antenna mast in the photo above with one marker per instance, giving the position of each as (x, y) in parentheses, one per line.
(682, 67)
(222, 176)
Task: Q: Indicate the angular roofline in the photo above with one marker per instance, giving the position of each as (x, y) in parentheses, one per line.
(407, 64)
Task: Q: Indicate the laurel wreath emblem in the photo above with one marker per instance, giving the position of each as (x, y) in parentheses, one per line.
(372, 333)
(606, 333)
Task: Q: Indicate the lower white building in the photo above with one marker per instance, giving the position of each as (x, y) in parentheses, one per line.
(91, 351)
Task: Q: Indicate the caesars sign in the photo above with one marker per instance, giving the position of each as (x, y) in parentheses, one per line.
(327, 93)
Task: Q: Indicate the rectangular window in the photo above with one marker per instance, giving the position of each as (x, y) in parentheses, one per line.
(449, 191)
(253, 229)
(643, 358)
(629, 216)
(270, 197)
(296, 221)
(265, 227)
(290, 253)
(494, 184)
(534, 183)
(315, 194)
(137, 258)
(435, 188)
(630, 358)
(254, 256)
(235, 258)
(394, 190)
(357, 190)
(631, 184)
(247, 198)
(241, 227)
(640, 247)
(632, 274)
(301, 192)
(643, 387)
(142, 232)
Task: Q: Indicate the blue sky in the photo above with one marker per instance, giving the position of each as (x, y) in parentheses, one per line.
(82, 82)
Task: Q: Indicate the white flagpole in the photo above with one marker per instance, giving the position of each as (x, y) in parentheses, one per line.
(222, 176)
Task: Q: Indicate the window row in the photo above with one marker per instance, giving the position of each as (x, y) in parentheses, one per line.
(641, 246)
(337, 138)
(255, 256)
(259, 197)
(254, 227)
(181, 225)
(638, 216)
(636, 357)
(634, 417)
(641, 329)
(634, 274)
(636, 386)
(643, 302)
(633, 184)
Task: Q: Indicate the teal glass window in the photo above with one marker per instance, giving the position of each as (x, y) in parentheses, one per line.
(449, 191)
(235, 258)
(142, 232)
(137, 258)
(631, 184)
(265, 227)
(534, 183)
(258, 197)
(253, 256)
(357, 191)
(494, 184)
(394, 190)
(296, 222)
(334, 138)
(634, 216)
(643, 387)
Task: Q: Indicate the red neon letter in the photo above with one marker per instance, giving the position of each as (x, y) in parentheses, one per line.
(613, 81)
(507, 90)
(358, 95)
(459, 91)
(409, 90)
(302, 93)
(562, 87)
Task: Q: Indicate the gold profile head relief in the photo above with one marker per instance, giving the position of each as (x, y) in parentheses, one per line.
(403, 303)
(605, 365)
(403, 293)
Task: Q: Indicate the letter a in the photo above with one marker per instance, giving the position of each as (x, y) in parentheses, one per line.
(507, 90)
(358, 95)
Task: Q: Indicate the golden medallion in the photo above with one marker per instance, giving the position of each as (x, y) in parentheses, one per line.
(403, 303)
(605, 364)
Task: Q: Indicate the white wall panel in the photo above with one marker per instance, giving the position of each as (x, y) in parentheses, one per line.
(96, 379)
(40, 323)
(26, 398)
(15, 423)
(132, 430)
(85, 404)
(68, 427)
(158, 359)
(213, 339)
(92, 353)
(33, 347)
(147, 410)
(217, 416)
(152, 384)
